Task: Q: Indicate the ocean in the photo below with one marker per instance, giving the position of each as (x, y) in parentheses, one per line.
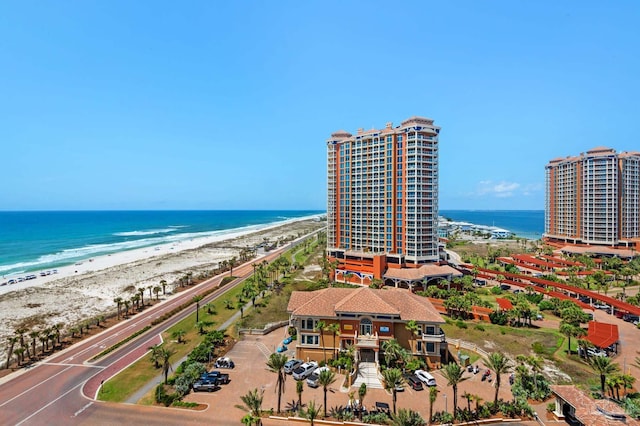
(35, 241)
(524, 223)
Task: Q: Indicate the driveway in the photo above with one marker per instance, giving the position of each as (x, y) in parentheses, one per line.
(250, 356)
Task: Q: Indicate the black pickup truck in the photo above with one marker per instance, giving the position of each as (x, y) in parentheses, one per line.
(206, 385)
(218, 377)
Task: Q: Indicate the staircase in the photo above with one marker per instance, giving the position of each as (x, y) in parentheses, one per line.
(368, 373)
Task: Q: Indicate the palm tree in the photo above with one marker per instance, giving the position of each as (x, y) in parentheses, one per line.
(571, 330)
(178, 334)
(156, 290)
(126, 308)
(201, 325)
(232, 263)
(19, 352)
(252, 402)
(627, 381)
(500, 364)
(156, 352)
(275, 364)
(163, 283)
(413, 328)
(407, 418)
(141, 291)
(334, 328)
(165, 356)
(603, 366)
(34, 337)
(320, 326)
(299, 389)
(21, 332)
(362, 392)
(453, 373)
(311, 413)
(325, 379)
(433, 394)
(392, 379)
(118, 301)
(149, 287)
(12, 342)
(196, 300)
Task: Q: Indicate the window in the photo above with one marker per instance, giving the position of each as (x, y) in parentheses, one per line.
(430, 330)
(310, 339)
(308, 323)
(431, 347)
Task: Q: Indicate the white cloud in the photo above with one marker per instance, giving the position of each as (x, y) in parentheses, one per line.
(501, 189)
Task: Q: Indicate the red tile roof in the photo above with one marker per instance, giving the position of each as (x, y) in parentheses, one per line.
(505, 304)
(602, 334)
(364, 300)
(590, 411)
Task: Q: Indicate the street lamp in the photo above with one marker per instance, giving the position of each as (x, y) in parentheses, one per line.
(445, 402)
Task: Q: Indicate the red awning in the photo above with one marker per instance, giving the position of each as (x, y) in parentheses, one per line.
(602, 334)
(504, 304)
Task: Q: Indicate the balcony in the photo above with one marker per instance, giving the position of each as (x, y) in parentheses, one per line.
(368, 341)
(438, 338)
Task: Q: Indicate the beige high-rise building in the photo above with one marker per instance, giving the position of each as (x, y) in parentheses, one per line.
(593, 199)
(382, 205)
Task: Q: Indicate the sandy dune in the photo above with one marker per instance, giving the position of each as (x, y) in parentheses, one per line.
(86, 290)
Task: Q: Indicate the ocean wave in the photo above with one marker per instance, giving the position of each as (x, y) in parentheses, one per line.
(143, 233)
(71, 255)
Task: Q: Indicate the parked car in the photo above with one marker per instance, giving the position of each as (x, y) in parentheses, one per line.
(304, 370)
(220, 378)
(602, 306)
(595, 352)
(505, 287)
(425, 377)
(291, 365)
(224, 362)
(312, 380)
(205, 385)
(414, 382)
(631, 318)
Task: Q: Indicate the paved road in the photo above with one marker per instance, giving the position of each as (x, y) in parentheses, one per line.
(61, 389)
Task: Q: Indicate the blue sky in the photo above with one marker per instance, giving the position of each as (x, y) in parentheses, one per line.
(227, 105)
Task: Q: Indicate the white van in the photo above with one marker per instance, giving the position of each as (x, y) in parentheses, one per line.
(426, 378)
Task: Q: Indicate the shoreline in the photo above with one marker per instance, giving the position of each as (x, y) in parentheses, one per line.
(101, 262)
(71, 297)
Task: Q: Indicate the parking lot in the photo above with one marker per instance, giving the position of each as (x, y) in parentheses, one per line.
(251, 354)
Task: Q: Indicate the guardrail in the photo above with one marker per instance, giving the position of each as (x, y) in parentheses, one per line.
(265, 330)
(467, 345)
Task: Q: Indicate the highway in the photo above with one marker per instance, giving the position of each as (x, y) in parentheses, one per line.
(62, 388)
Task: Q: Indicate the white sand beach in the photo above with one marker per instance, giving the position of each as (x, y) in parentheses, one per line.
(87, 289)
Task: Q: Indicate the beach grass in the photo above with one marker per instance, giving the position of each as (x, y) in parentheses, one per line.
(545, 342)
(130, 380)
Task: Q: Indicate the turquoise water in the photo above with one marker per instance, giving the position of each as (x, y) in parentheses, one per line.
(33, 241)
(524, 223)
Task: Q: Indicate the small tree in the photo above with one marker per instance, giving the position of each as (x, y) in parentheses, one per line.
(392, 380)
(275, 364)
(325, 379)
(312, 412)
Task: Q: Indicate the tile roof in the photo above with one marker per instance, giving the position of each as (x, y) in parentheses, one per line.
(599, 250)
(602, 334)
(590, 411)
(424, 271)
(364, 300)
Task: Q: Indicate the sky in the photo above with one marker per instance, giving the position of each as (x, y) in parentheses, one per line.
(228, 105)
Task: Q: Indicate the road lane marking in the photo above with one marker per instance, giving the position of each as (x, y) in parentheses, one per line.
(51, 403)
(33, 387)
(73, 365)
(82, 409)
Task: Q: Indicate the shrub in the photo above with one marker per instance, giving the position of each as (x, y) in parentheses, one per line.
(479, 327)
(461, 324)
(545, 305)
(376, 418)
(498, 317)
(551, 407)
(496, 290)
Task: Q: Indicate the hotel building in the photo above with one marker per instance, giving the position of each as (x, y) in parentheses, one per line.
(382, 207)
(594, 199)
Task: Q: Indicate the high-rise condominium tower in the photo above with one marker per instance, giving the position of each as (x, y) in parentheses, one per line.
(594, 198)
(382, 205)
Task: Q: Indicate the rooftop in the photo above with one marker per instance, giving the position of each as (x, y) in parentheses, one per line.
(364, 300)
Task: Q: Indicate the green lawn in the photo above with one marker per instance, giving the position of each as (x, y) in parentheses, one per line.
(130, 380)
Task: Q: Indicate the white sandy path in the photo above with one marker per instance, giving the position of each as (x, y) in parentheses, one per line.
(70, 297)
